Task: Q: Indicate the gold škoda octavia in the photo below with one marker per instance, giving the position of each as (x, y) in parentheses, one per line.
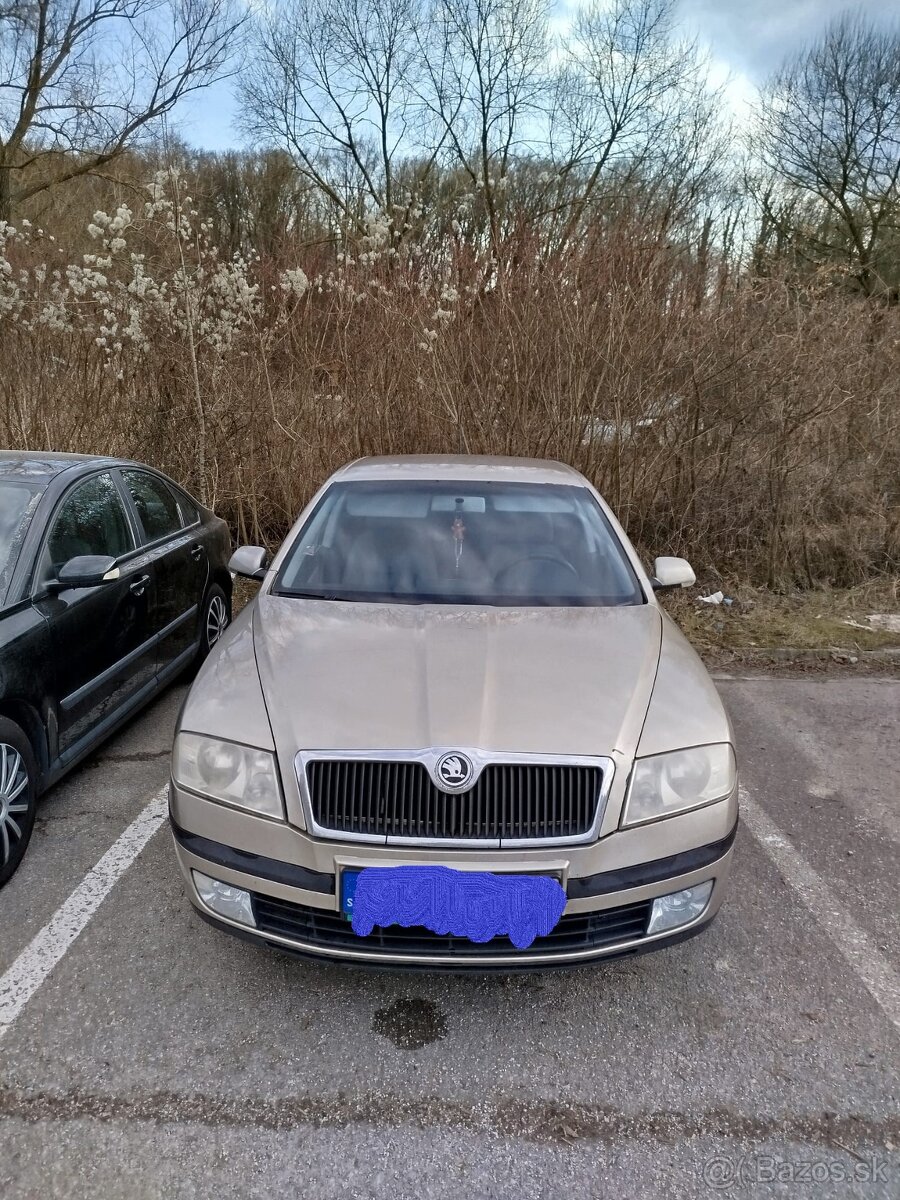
(455, 730)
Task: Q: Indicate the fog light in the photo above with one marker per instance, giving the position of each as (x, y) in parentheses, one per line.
(224, 899)
(679, 908)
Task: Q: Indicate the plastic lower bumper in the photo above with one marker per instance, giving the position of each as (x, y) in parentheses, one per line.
(485, 965)
(296, 910)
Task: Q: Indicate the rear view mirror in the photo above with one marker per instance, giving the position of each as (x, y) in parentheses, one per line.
(249, 561)
(672, 573)
(87, 570)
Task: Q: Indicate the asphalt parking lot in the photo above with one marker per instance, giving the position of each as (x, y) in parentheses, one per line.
(143, 1054)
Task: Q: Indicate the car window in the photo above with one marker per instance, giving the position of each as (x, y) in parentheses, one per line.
(17, 504)
(454, 542)
(91, 520)
(155, 504)
(190, 514)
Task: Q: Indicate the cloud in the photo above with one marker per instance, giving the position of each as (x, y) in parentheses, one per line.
(739, 91)
(754, 36)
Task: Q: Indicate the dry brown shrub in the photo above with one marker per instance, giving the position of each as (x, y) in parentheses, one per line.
(750, 424)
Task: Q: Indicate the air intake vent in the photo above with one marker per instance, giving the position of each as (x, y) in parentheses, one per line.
(319, 928)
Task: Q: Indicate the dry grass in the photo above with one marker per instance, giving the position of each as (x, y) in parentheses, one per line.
(244, 591)
(759, 619)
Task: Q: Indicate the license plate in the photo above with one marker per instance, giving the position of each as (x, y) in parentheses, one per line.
(348, 891)
(472, 904)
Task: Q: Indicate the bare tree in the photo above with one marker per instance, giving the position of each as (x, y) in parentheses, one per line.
(485, 67)
(829, 128)
(80, 80)
(398, 106)
(331, 83)
(627, 95)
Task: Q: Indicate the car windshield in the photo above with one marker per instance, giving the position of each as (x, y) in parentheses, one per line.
(17, 504)
(451, 542)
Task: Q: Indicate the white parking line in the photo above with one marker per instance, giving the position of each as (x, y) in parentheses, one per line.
(860, 952)
(46, 948)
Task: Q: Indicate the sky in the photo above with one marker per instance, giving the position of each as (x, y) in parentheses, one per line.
(746, 39)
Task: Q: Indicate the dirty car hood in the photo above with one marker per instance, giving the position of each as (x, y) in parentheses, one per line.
(338, 675)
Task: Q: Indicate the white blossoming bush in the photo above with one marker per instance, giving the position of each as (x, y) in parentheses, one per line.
(121, 303)
(152, 343)
(294, 282)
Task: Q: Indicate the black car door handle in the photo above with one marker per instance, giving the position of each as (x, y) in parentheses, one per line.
(138, 587)
(196, 552)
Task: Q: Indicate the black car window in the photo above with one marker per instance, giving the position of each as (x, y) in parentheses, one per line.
(155, 504)
(91, 521)
(190, 514)
(17, 504)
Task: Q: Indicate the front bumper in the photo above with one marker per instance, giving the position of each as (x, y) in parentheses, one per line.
(611, 884)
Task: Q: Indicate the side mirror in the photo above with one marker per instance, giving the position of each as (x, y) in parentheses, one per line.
(672, 573)
(87, 570)
(249, 561)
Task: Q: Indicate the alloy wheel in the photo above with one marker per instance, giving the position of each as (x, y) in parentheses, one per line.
(13, 806)
(216, 620)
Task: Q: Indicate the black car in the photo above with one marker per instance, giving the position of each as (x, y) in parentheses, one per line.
(112, 581)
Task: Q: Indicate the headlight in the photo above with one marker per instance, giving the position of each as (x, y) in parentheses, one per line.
(667, 784)
(226, 771)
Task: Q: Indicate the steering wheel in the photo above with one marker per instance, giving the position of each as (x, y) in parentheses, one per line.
(559, 563)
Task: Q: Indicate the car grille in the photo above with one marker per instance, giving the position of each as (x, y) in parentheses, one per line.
(318, 927)
(508, 801)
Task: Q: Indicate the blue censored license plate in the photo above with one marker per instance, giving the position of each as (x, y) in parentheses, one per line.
(475, 905)
(348, 892)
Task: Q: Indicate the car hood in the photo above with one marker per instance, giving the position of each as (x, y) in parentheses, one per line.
(389, 677)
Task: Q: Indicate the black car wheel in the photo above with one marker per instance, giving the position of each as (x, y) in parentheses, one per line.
(216, 618)
(18, 796)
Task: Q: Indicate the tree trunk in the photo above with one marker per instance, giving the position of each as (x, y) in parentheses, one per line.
(5, 191)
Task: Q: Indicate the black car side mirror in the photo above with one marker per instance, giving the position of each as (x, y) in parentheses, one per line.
(86, 570)
(249, 561)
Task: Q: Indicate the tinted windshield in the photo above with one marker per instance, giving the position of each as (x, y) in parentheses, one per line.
(17, 504)
(459, 543)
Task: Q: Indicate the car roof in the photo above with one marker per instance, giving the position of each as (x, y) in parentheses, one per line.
(40, 466)
(461, 466)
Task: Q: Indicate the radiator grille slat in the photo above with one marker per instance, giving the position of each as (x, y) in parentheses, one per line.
(508, 801)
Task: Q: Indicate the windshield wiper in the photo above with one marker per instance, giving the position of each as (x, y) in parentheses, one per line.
(310, 595)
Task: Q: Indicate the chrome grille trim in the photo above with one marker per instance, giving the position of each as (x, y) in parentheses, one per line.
(428, 759)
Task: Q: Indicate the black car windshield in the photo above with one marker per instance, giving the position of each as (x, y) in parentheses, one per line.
(17, 504)
(451, 542)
